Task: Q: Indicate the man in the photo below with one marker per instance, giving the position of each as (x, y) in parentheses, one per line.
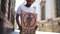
(24, 8)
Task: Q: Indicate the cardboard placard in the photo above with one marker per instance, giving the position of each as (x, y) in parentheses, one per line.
(28, 23)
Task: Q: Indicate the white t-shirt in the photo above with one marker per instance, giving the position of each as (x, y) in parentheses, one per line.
(23, 8)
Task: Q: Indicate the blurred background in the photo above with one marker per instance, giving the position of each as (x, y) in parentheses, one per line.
(48, 15)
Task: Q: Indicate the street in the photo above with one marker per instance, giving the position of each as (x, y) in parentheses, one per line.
(37, 32)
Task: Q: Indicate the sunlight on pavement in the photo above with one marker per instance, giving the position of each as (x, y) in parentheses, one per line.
(17, 30)
(40, 32)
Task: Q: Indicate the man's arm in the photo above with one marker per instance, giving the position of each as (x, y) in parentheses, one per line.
(17, 19)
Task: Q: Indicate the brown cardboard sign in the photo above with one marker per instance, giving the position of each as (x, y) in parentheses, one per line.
(28, 23)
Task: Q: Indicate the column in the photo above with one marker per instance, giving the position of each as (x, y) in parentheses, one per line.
(49, 9)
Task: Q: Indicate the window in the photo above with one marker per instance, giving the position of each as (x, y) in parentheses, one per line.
(43, 13)
(58, 23)
(58, 8)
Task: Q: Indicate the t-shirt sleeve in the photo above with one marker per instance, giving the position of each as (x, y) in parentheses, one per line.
(35, 11)
(18, 11)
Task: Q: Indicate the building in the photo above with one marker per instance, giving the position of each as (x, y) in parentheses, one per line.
(49, 15)
(7, 12)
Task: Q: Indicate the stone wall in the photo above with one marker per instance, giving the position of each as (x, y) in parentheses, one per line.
(49, 26)
(6, 25)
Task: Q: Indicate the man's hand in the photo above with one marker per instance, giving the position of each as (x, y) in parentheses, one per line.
(17, 20)
(20, 27)
(36, 27)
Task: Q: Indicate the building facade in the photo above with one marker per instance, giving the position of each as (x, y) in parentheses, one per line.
(7, 19)
(49, 15)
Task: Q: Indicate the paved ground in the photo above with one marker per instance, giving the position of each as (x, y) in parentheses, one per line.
(15, 32)
(37, 32)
